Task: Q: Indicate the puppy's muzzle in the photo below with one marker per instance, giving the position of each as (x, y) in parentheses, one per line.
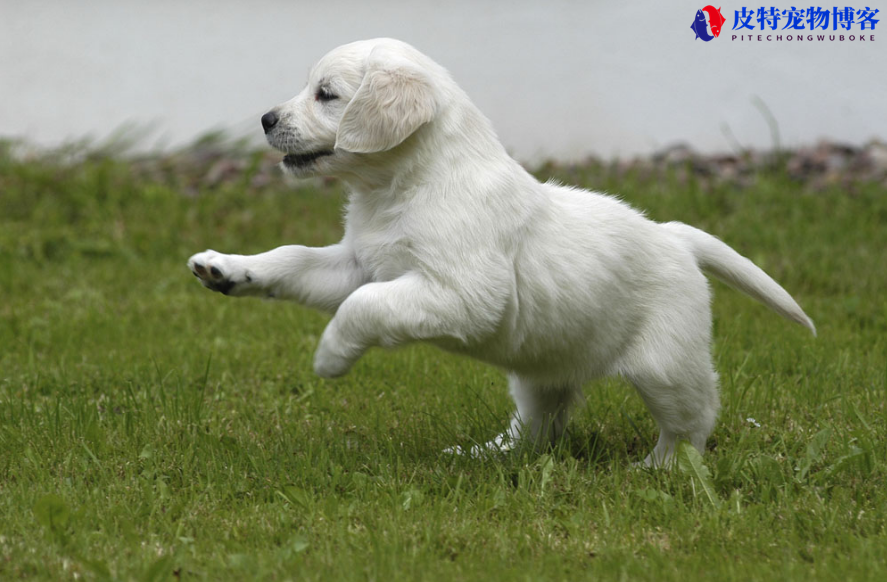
(269, 120)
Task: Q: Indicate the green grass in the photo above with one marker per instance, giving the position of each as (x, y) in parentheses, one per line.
(151, 430)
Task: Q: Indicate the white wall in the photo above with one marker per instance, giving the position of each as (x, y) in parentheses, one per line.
(559, 79)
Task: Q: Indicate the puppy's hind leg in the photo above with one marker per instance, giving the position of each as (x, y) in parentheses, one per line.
(541, 416)
(685, 406)
(670, 365)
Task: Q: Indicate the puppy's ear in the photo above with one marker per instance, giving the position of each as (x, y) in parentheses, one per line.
(395, 98)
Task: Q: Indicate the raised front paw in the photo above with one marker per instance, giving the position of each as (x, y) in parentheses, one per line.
(221, 273)
(330, 364)
(336, 354)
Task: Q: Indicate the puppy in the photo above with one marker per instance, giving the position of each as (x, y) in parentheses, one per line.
(450, 241)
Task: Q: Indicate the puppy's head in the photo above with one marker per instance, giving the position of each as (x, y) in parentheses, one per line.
(361, 99)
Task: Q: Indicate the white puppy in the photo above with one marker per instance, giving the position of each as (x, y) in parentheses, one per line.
(448, 240)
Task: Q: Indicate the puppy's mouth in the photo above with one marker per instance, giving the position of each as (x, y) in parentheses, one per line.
(302, 160)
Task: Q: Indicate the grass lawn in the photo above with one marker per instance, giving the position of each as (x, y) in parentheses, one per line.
(152, 430)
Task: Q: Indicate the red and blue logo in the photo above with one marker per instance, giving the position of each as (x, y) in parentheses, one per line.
(709, 18)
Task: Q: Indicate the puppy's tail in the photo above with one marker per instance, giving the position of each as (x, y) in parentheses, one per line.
(718, 259)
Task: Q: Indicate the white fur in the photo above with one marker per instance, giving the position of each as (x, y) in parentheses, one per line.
(450, 241)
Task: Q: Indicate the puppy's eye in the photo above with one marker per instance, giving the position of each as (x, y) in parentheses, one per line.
(324, 94)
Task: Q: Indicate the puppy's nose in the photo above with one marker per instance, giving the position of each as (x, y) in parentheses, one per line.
(269, 120)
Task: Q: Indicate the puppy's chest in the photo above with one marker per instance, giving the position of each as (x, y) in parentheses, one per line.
(386, 237)
(386, 255)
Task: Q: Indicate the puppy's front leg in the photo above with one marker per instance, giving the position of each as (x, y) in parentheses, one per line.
(317, 277)
(392, 313)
